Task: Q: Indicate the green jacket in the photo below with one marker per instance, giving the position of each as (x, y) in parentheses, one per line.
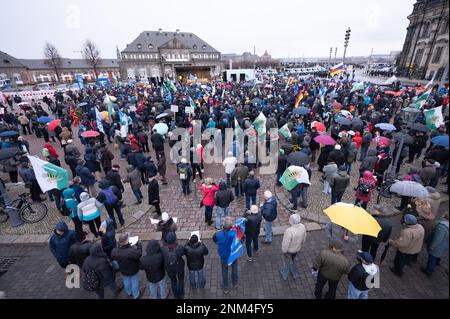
(332, 265)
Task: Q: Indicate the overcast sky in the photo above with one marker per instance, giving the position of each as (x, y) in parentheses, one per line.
(286, 28)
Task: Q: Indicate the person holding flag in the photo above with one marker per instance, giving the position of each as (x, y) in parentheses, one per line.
(224, 240)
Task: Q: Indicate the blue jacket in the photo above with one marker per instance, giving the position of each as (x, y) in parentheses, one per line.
(60, 245)
(87, 178)
(251, 185)
(438, 244)
(269, 209)
(77, 190)
(71, 201)
(223, 239)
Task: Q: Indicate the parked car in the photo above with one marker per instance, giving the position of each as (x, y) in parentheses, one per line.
(44, 86)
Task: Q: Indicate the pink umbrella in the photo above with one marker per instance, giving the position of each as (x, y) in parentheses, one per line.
(383, 141)
(324, 140)
(90, 134)
(319, 126)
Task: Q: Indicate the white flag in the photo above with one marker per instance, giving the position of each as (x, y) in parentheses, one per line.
(391, 80)
(48, 175)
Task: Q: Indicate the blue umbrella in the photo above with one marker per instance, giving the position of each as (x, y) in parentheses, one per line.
(301, 110)
(441, 140)
(386, 126)
(9, 133)
(45, 119)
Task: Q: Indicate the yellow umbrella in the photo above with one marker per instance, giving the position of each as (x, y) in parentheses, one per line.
(353, 218)
(105, 114)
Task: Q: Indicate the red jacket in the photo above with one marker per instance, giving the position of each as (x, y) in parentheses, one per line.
(369, 179)
(358, 140)
(51, 150)
(208, 194)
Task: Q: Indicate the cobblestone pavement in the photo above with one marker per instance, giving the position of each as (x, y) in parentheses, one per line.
(37, 275)
(186, 208)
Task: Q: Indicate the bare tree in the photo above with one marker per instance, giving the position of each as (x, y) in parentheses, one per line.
(92, 55)
(52, 58)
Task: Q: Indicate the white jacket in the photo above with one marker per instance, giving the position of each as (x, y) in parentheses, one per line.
(229, 163)
(293, 239)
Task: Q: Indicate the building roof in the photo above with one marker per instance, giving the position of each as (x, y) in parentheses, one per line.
(39, 64)
(151, 41)
(8, 61)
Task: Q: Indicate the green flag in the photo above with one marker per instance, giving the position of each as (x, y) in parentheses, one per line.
(260, 123)
(293, 176)
(434, 117)
(358, 87)
(285, 132)
(422, 99)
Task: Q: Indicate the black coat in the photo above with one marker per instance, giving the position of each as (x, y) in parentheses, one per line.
(253, 225)
(114, 178)
(157, 141)
(385, 232)
(338, 157)
(153, 192)
(79, 252)
(128, 258)
(358, 276)
(195, 255)
(251, 186)
(98, 261)
(153, 262)
(179, 252)
(224, 196)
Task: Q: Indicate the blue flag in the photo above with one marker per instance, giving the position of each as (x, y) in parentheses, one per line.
(80, 81)
(237, 232)
(98, 120)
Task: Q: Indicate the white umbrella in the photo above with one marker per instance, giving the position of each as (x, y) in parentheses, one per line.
(161, 128)
(409, 188)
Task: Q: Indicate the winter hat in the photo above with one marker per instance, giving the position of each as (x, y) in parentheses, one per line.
(267, 194)
(342, 168)
(193, 240)
(230, 154)
(337, 147)
(183, 160)
(410, 219)
(123, 239)
(171, 238)
(431, 190)
(84, 196)
(365, 257)
(69, 141)
(165, 217)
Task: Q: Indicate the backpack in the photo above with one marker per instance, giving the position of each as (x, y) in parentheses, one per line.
(91, 281)
(183, 173)
(364, 189)
(351, 157)
(171, 261)
(64, 210)
(110, 197)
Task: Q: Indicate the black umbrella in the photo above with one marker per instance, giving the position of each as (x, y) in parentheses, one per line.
(7, 153)
(407, 139)
(383, 255)
(357, 124)
(343, 121)
(420, 127)
(298, 159)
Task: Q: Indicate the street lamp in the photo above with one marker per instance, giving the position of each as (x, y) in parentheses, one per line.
(347, 38)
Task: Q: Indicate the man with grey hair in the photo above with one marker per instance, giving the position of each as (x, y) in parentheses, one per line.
(269, 212)
(224, 239)
(293, 239)
(252, 229)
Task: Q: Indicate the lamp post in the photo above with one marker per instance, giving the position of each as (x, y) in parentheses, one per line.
(347, 38)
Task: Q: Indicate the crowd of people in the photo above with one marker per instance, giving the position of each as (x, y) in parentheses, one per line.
(132, 114)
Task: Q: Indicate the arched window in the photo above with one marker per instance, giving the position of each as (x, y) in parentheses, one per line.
(425, 29)
(444, 26)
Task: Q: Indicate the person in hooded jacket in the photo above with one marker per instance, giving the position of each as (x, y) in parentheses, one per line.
(174, 264)
(359, 276)
(110, 197)
(108, 236)
(195, 252)
(222, 199)
(80, 250)
(437, 245)
(87, 177)
(323, 156)
(366, 184)
(88, 210)
(98, 261)
(135, 181)
(60, 243)
(166, 225)
(113, 176)
(153, 265)
(369, 162)
(71, 203)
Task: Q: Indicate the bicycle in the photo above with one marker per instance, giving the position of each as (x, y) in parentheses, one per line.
(29, 212)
